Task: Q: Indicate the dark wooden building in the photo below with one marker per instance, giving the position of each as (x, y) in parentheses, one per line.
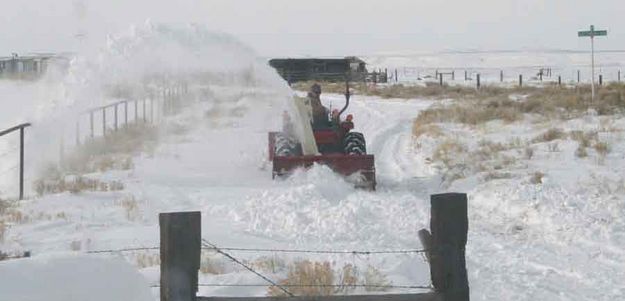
(322, 69)
(29, 66)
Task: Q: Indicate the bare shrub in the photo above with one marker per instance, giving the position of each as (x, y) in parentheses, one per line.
(375, 280)
(602, 148)
(447, 152)
(537, 178)
(348, 278)
(550, 135)
(131, 207)
(497, 175)
(584, 138)
(553, 147)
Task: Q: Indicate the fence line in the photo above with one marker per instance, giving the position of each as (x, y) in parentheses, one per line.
(346, 252)
(544, 74)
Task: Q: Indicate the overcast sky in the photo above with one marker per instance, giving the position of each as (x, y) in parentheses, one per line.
(323, 27)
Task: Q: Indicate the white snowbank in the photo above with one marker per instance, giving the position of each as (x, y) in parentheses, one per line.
(70, 277)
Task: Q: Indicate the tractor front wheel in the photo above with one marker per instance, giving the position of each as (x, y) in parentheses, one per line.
(354, 144)
(286, 146)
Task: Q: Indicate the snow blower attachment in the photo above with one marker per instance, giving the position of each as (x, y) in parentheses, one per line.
(327, 141)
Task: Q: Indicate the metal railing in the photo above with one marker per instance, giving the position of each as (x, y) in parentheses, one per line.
(21, 128)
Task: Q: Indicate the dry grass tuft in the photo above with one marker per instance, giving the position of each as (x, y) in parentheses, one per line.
(270, 264)
(209, 265)
(318, 279)
(73, 184)
(307, 273)
(145, 260)
(584, 138)
(3, 230)
(431, 130)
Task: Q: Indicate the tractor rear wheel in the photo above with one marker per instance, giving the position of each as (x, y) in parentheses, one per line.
(285, 146)
(354, 144)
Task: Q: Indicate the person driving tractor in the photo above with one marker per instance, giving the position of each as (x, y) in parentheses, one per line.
(319, 112)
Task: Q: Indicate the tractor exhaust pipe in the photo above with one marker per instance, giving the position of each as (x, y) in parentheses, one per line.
(347, 95)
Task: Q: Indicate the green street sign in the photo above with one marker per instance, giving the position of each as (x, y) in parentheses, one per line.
(595, 33)
(592, 32)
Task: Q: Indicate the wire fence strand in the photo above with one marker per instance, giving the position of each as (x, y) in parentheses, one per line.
(206, 242)
(316, 286)
(269, 250)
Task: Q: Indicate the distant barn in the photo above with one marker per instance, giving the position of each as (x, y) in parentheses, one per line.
(322, 69)
(30, 66)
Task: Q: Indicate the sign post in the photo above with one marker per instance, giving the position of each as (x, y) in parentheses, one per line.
(592, 33)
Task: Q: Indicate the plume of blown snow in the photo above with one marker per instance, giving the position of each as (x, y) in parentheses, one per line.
(140, 59)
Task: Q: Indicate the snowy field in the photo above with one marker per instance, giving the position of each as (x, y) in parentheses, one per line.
(560, 238)
(411, 66)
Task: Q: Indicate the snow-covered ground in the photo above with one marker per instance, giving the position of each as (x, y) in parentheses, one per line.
(560, 239)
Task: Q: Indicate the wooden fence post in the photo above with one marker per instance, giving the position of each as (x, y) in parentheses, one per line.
(466, 76)
(619, 76)
(600, 79)
(453, 75)
(559, 80)
(478, 81)
(501, 76)
(181, 240)
(396, 78)
(440, 79)
(449, 224)
(520, 80)
(578, 76)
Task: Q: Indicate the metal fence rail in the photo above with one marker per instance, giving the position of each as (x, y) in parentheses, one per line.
(21, 128)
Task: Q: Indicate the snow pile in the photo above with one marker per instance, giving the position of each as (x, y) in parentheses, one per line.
(67, 277)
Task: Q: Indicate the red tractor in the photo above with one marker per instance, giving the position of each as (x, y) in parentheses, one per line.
(339, 147)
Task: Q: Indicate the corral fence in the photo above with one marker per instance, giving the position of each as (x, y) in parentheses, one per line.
(444, 244)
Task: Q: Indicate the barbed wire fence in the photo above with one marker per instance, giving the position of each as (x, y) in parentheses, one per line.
(208, 246)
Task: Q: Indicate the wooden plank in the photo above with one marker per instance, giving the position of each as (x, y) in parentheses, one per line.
(180, 255)
(449, 225)
(386, 297)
